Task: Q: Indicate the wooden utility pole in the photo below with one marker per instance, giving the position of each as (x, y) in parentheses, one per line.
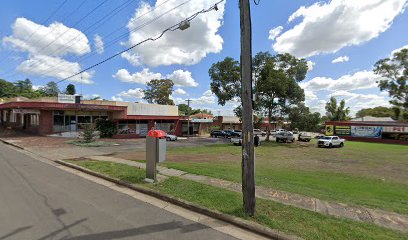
(248, 155)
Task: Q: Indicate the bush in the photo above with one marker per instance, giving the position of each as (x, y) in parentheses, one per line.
(88, 133)
(105, 127)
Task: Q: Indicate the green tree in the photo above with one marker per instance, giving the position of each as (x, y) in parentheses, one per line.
(70, 89)
(23, 86)
(395, 73)
(158, 91)
(376, 112)
(50, 90)
(337, 113)
(105, 127)
(302, 119)
(277, 86)
(184, 109)
(7, 89)
(226, 80)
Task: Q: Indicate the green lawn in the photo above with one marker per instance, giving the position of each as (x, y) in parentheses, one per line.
(292, 220)
(369, 174)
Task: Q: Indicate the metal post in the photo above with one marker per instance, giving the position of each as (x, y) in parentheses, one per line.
(248, 156)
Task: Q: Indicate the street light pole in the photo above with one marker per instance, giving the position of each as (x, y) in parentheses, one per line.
(248, 155)
(188, 115)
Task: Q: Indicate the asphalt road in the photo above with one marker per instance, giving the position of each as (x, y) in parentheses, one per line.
(40, 201)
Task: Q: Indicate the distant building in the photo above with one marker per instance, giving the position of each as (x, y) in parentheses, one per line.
(370, 129)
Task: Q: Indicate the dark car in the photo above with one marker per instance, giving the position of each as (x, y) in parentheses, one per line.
(231, 133)
(218, 133)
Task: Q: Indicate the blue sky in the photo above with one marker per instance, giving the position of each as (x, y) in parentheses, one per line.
(356, 33)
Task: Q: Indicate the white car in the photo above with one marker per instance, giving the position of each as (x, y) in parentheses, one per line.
(330, 141)
(171, 137)
(259, 132)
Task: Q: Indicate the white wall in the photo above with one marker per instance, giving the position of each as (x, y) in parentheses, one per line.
(151, 109)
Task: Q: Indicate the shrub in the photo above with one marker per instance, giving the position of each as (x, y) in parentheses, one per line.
(105, 127)
(88, 133)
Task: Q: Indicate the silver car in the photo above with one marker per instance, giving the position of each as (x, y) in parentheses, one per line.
(171, 137)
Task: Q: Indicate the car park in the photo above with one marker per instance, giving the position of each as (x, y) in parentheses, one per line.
(330, 141)
(285, 137)
(232, 133)
(218, 133)
(304, 137)
(259, 132)
(171, 137)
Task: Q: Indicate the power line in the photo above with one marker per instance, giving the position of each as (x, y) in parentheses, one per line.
(172, 28)
(110, 43)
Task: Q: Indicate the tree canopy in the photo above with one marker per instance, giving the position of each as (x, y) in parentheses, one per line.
(159, 91)
(301, 118)
(376, 112)
(70, 89)
(337, 113)
(395, 73)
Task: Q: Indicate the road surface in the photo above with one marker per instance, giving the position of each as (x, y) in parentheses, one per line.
(40, 201)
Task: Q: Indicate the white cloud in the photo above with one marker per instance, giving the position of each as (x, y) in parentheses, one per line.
(140, 77)
(45, 40)
(206, 98)
(208, 93)
(132, 58)
(328, 27)
(37, 87)
(98, 44)
(179, 47)
(357, 101)
(398, 49)
(132, 93)
(310, 65)
(180, 91)
(273, 33)
(54, 67)
(358, 80)
(182, 78)
(179, 77)
(341, 59)
(119, 99)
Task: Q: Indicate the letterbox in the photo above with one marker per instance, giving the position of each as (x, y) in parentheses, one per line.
(155, 151)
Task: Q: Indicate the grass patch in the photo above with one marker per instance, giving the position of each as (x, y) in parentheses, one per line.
(368, 174)
(292, 220)
(90, 144)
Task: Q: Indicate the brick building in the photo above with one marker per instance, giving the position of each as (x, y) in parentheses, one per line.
(46, 116)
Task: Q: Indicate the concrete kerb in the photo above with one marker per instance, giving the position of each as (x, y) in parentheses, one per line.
(241, 223)
(11, 143)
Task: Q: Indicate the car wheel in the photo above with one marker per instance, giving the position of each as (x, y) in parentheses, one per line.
(341, 145)
(168, 139)
(330, 145)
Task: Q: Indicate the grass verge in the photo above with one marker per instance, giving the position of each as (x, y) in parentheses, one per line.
(292, 220)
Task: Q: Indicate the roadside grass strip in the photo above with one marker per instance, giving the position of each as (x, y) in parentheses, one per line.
(288, 219)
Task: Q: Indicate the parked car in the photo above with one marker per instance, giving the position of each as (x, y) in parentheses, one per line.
(232, 133)
(171, 137)
(259, 132)
(330, 141)
(304, 137)
(237, 141)
(218, 133)
(295, 131)
(285, 137)
(319, 136)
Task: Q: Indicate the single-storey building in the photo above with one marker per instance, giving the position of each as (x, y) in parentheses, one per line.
(370, 129)
(67, 113)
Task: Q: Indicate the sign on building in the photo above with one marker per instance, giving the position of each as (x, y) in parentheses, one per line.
(64, 98)
(329, 130)
(366, 131)
(26, 111)
(342, 130)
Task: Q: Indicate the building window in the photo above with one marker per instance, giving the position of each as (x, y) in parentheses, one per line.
(35, 120)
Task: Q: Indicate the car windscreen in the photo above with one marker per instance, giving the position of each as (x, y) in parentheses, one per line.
(326, 138)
